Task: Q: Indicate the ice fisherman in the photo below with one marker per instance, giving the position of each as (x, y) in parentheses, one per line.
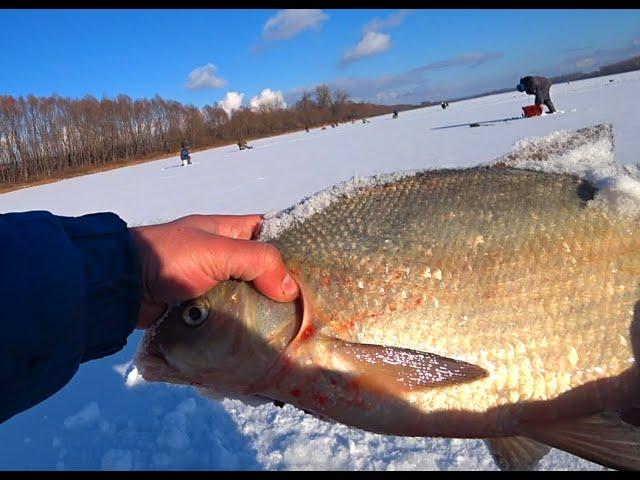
(242, 144)
(74, 288)
(395, 114)
(540, 87)
(184, 155)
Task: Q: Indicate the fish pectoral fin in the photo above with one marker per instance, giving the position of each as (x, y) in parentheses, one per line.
(403, 368)
(603, 438)
(516, 453)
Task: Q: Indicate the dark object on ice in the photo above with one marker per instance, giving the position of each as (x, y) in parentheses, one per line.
(306, 128)
(474, 124)
(532, 110)
(482, 123)
(278, 403)
(364, 120)
(538, 86)
(184, 154)
(444, 105)
(242, 144)
(611, 80)
(395, 114)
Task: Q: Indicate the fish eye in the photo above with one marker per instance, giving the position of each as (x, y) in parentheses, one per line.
(194, 313)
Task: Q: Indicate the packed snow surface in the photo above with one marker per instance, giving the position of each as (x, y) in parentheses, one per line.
(108, 418)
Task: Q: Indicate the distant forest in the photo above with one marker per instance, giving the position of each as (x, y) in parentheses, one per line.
(623, 66)
(53, 137)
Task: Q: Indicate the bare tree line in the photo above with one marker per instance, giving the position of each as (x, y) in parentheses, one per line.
(44, 137)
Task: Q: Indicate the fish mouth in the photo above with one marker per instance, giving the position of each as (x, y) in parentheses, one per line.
(151, 361)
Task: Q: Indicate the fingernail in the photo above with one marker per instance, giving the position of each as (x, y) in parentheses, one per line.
(289, 286)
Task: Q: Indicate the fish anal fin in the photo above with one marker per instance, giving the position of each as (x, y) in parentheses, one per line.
(603, 438)
(516, 453)
(400, 368)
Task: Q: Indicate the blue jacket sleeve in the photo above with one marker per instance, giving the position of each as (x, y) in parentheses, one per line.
(70, 291)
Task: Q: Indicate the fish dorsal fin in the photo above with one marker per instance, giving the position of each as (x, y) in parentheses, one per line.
(516, 453)
(400, 368)
(603, 438)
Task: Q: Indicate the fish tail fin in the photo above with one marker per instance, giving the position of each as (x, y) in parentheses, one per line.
(516, 453)
(603, 438)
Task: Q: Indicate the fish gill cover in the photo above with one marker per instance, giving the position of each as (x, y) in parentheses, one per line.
(587, 153)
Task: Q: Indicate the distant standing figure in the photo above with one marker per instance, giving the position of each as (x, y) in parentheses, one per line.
(395, 114)
(242, 144)
(538, 86)
(184, 155)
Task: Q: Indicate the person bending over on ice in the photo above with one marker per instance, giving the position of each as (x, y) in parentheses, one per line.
(538, 86)
(242, 144)
(184, 155)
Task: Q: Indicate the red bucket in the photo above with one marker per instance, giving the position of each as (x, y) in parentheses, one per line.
(532, 110)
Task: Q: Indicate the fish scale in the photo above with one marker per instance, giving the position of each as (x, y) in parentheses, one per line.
(519, 283)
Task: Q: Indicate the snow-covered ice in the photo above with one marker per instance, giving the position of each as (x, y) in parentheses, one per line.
(108, 418)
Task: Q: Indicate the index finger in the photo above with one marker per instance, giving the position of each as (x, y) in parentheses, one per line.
(232, 226)
(248, 260)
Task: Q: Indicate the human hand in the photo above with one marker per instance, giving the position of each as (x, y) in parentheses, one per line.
(187, 257)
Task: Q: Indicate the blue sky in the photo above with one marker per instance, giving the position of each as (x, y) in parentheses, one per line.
(385, 56)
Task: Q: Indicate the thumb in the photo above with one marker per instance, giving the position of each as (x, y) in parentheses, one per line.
(260, 263)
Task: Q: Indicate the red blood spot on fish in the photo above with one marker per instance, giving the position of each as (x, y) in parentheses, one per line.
(307, 333)
(295, 392)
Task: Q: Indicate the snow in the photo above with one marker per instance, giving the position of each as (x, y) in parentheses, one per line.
(86, 416)
(108, 418)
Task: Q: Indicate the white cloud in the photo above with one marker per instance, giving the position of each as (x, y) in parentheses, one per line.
(289, 23)
(231, 101)
(204, 77)
(371, 44)
(391, 21)
(269, 99)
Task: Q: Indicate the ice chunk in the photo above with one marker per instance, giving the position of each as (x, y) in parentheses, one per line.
(587, 153)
